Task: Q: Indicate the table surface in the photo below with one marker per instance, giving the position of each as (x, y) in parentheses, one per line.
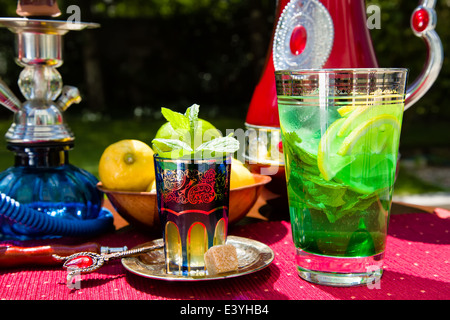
(417, 267)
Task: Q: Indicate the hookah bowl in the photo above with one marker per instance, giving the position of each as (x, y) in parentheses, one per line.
(49, 190)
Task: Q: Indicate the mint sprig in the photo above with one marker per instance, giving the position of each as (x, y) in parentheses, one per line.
(174, 148)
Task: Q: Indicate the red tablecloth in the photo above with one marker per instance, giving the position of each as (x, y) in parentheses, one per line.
(417, 266)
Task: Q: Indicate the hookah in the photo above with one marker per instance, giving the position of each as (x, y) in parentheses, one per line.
(313, 34)
(42, 195)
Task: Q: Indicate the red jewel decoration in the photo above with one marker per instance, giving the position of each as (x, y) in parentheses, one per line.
(80, 262)
(280, 146)
(298, 40)
(420, 20)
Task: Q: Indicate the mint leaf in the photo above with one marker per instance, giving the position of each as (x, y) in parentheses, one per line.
(192, 114)
(177, 120)
(222, 144)
(165, 145)
(303, 149)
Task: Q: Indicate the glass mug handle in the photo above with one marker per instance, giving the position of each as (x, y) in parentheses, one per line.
(423, 23)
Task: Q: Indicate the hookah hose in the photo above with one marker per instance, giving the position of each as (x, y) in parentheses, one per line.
(14, 211)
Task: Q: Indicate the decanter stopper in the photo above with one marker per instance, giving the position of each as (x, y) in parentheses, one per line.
(28, 8)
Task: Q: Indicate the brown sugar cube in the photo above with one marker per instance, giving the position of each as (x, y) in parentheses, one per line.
(221, 258)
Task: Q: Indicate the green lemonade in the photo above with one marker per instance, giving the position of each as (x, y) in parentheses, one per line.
(340, 169)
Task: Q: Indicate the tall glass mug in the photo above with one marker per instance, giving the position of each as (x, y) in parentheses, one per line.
(193, 200)
(340, 133)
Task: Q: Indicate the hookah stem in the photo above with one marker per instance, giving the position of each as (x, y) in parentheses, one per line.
(15, 256)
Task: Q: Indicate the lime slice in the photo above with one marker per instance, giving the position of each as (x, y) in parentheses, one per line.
(370, 136)
(361, 159)
(347, 109)
(365, 113)
(328, 161)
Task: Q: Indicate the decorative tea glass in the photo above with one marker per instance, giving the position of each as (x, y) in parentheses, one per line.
(193, 199)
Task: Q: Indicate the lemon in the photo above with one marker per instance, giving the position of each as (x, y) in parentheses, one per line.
(152, 187)
(127, 165)
(204, 131)
(240, 175)
(372, 134)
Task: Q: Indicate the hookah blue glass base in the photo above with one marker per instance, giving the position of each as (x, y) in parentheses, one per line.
(44, 196)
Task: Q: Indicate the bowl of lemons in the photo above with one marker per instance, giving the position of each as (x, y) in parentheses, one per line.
(133, 192)
(127, 177)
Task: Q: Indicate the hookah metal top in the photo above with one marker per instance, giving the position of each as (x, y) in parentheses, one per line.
(39, 51)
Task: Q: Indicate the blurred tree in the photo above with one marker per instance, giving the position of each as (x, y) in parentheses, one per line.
(424, 124)
(396, 45)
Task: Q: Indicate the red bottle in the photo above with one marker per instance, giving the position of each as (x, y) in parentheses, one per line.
(352, 48)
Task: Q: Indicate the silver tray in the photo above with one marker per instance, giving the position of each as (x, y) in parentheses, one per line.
(252, 256)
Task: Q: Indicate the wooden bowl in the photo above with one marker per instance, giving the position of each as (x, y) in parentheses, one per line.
(141, 210)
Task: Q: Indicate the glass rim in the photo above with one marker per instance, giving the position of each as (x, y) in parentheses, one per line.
(193, 160)
(342, 70)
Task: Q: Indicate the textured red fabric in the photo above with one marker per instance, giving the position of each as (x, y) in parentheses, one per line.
(417, 267)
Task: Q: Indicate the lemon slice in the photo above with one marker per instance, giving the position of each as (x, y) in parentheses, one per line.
(372, 134)
(365, 113)
(328, 161)
(347, 109)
